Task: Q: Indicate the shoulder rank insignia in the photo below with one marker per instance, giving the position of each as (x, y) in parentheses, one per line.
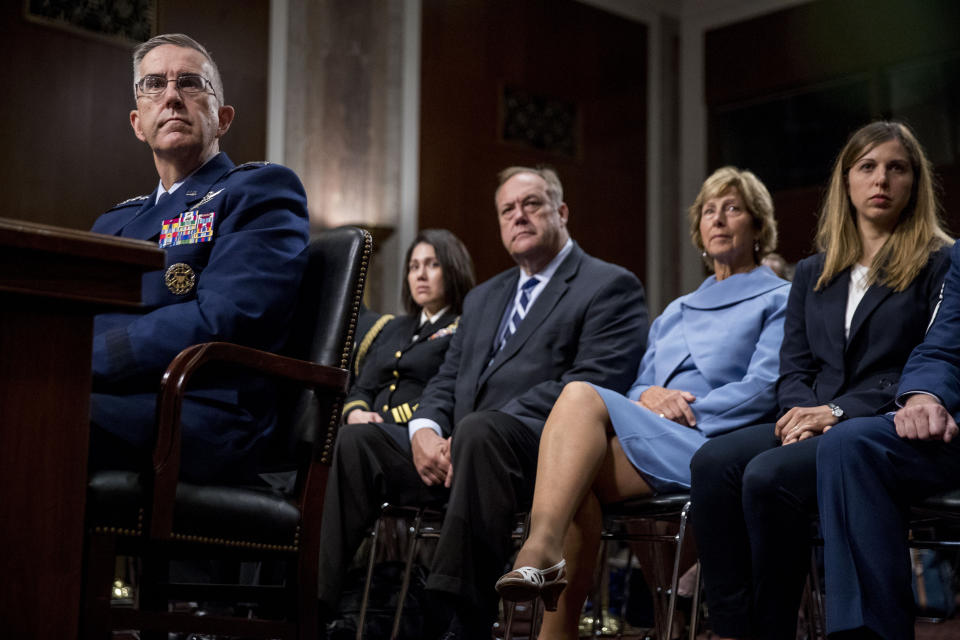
(448, 330)
(180, 278)
(129, 201)
(249, 165)
(207, 198)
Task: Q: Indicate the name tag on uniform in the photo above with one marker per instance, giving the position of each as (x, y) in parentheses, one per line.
(190, 227)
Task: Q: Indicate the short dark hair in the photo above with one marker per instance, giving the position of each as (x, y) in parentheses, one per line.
(177, 40)
(457, 267)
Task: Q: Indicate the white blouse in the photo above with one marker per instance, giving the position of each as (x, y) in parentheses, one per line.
(858, 287)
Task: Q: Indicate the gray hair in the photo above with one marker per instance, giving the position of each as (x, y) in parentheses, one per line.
(554, 188)
(177, 40)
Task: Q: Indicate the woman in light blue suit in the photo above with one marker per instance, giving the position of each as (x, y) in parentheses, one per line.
(727, 376)
(710, 367)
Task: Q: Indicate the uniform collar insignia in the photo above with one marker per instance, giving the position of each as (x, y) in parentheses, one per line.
(207, 198)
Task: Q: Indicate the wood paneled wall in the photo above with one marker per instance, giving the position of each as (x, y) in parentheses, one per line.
(68, 150)
(471, 50)
(827, 46)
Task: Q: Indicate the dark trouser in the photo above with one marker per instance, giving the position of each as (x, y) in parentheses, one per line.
(369, 467)
(494, 467)
(867, 477)
(752, 505)
(221, 441)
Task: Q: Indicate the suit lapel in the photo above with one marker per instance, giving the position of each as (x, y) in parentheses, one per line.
(833, 301)
(542, 307)
(149, 219)
(876, 294)
(431, 327)
(124, 218)
(489, 323)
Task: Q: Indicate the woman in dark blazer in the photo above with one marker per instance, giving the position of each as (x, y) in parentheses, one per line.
(855, 311)
(409, 349)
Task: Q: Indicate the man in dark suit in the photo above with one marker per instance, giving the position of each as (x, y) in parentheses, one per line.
(560, 315)
(235, 240)
(869, 471)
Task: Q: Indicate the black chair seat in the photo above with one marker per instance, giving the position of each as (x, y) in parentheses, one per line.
(245, 516)
(666, 504)
(152, 516)
(629, 521)
(943, 504)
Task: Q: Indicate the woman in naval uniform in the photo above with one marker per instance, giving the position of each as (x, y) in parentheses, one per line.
(409, 349)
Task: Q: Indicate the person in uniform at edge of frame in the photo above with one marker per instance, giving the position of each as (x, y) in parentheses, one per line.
(235, 240)
(559, 315)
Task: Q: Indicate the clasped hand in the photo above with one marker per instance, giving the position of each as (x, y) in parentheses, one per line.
(672, 404)
(431, 457)
(800, 423)
(359, 416)
(924, 418)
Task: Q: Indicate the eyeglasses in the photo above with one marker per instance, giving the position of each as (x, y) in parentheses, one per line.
(188, 83)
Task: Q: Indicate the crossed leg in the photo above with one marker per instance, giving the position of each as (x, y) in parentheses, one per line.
(581, 466)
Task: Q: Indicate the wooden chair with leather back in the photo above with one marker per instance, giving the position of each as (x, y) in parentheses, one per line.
(153, 516)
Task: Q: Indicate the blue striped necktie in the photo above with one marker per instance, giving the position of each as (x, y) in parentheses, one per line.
(519, 311)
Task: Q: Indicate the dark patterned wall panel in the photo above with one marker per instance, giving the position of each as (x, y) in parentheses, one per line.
(582, 75)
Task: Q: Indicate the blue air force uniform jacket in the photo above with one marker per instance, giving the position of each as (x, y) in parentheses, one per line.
(236, 239)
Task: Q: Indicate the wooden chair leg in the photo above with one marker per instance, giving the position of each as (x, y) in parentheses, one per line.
(154, 570)
(307, 595)
(100, 559)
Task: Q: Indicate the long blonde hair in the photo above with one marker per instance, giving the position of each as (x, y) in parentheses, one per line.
(918, 232)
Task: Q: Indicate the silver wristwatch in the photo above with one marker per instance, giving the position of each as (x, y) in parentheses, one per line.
(835, 410)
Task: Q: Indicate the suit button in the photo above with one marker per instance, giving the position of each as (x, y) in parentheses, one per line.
(399, 353)
(396, 374)
(393, 387)
(386, 408)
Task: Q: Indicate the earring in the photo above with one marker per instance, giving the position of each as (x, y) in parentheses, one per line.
(756, 247)
(703, 253)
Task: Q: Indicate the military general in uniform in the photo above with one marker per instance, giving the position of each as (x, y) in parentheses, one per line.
(235, 240)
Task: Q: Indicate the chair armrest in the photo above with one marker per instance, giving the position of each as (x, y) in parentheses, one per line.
(173, 386)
